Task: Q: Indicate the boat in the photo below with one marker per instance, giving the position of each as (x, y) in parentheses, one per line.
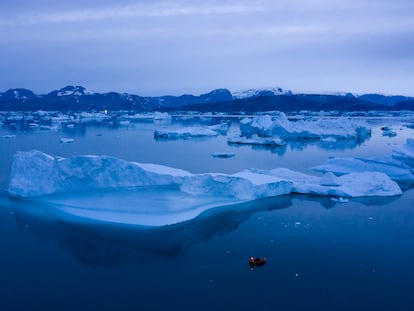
(257, 261)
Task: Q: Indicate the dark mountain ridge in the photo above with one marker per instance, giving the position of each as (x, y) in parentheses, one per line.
(77, 98)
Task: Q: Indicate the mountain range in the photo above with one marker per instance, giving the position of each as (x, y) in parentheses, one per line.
(77, 98)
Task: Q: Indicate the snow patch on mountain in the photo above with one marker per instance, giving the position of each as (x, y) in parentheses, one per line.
(273, 91)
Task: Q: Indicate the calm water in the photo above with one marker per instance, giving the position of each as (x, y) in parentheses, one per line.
(321, 255)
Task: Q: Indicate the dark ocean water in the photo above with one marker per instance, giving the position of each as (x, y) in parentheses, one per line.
(322, 255)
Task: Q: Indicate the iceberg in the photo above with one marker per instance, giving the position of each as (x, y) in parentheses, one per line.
(280, 126)
(113, 190)
(405, 153)
(156, 117)
(395, 169)
(354, 184)
(185, 133)
(35, 173)
(256, 141)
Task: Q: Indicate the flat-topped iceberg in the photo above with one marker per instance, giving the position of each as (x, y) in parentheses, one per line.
(35, 173)
(280, 126)
(396, 170)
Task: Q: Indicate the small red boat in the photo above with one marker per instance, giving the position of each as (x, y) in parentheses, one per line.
(253, 262)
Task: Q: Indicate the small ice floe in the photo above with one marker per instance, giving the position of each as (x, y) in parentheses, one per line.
(223, 155)
(387, 131)
(185, 133)
(256, 140)
(66, 140)
(340, 200)
(9, 136)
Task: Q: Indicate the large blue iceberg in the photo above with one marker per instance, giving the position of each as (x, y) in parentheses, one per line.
(109, 189)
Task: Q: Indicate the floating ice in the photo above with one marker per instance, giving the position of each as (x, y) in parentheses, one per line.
(66, 140)
(279, 125)
(396, 170)
(405, 152)
(35, 173)
(9, 136)
(113, 190)
(256, 140)
(159, 117)
(223, 155)
(388, 131)
(185, 133)
(349, 185)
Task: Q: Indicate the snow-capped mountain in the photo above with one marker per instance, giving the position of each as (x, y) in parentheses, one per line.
(78, 98)
(274, 91)
(18, 94)
(71, 90)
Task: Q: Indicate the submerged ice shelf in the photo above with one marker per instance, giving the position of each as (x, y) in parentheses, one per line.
(76, 186)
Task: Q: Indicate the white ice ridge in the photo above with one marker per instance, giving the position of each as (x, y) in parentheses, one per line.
(35, 173)
(393, 168)
(280, 126)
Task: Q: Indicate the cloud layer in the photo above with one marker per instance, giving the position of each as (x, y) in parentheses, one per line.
(175, 47)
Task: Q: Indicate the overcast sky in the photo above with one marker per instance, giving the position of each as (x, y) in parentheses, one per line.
(173, 47)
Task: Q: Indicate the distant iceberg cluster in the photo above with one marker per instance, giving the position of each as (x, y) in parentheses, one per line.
(35, 173)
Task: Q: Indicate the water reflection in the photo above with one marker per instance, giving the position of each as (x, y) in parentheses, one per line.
(329, 202)
(99, 243)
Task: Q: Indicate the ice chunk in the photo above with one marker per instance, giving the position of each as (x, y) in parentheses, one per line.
(67, 140)
(349, 185)
(9, 136)
(185, 133)
(396, 170)
(156, 117)
(405, 152)
(256, 140)
(387, 131)
(243, 185)
(340, 200)
(279, 125)
(224, 155)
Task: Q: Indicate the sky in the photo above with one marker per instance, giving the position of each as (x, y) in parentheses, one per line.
(162, 47)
